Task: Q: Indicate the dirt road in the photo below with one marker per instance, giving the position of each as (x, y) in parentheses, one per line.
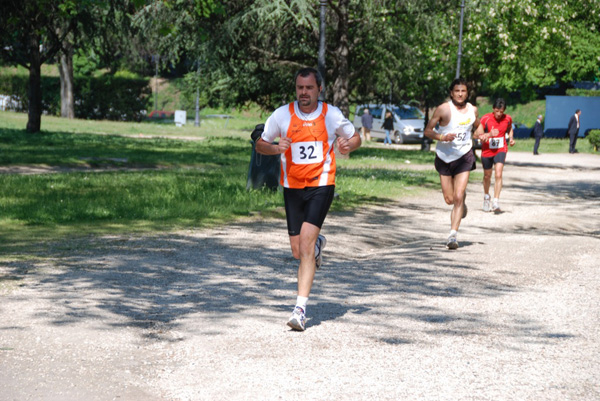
(514, 314)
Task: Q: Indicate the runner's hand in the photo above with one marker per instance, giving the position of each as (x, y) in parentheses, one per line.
(512, 142)
(448, 137)
(343, 145)
(284, 144)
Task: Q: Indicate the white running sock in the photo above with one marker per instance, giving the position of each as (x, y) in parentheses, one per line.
(453, 233)
(301, 302)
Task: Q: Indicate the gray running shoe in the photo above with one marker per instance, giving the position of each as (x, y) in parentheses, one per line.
(297, 319)
(452, 242)
(321, 242)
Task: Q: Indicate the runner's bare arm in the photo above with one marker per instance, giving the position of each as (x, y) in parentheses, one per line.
(477, 119)
(441, 115)
(479, 134)
(266, 148)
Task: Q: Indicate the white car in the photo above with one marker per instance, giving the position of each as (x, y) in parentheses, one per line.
(409, 122)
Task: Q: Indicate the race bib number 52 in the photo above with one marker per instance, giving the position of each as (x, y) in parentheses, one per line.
(307, 152)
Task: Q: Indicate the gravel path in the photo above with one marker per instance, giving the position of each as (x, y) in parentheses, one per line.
(514, 314)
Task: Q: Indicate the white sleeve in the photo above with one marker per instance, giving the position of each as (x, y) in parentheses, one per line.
(277, 124)
(336, 122)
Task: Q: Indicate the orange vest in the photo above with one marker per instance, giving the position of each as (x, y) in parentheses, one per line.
(310, 142)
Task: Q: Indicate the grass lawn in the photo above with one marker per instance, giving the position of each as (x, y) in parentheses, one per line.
(520, 113)
(112, 184)
(115, 177)
(552, 145)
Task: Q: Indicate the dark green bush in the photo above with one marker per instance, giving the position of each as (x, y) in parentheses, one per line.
(16, 86)
(594, 138)
(583, 92)
(111, 98)
(98, 98)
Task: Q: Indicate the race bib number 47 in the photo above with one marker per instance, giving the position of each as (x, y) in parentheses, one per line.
(307, 152)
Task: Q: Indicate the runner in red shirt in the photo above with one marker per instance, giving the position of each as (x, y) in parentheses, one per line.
(495, 130)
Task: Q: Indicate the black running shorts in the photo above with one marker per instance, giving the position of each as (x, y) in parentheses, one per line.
(488, 162)
(309, 204)
(465, 163)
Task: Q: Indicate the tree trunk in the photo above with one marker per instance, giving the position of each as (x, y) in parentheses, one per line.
(340, 84)
(426, 144)
(34, 122)
(67, 102)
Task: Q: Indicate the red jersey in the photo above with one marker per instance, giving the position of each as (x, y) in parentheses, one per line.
(497, 143)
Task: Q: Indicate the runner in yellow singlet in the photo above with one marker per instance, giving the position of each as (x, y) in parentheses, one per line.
(454, 158)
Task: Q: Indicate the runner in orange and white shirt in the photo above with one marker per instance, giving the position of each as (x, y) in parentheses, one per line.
(307, 130)
(495, 130)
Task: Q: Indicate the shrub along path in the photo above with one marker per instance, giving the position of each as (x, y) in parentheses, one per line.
(200, 314)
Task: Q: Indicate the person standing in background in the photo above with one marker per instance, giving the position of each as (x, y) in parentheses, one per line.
(388, 126)
(367, 124)
(573, 130)
(538, 133)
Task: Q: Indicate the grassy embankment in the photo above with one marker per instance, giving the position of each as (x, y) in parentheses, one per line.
(527, 114)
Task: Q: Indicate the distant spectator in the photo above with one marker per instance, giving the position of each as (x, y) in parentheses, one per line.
(388, 126)
(538, 133)
(367, 124)
(573, 130)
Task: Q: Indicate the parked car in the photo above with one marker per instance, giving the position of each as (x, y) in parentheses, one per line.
(409, 122)
(521, 131)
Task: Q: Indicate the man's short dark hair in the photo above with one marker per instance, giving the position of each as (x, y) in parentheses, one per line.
(577, 111)
(499, 104)
(307, 71)
(459, 81)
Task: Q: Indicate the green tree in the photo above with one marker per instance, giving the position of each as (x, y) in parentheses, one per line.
(521, 45)
(100, 31)
(375, 50)
(257, 46)
(31, 33)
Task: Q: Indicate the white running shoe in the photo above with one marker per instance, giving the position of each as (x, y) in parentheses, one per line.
(486, 203)
(496, 207)
(321, 242)
(297, 319)
(452, 242)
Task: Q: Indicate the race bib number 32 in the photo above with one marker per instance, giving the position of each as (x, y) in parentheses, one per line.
(307, 152)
